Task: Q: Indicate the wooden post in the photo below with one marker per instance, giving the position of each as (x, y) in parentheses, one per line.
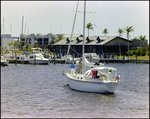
(136, 59)
(15, 59)
(54, 58)
(34, 59)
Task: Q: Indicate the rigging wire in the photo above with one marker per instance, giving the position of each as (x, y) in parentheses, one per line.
(71, 33)
(75, 51)
(99, 20)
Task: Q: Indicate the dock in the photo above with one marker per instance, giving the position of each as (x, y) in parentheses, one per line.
(19, 61)
(101, 61)
(123, 61)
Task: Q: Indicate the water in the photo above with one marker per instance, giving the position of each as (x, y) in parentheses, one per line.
(42, 91)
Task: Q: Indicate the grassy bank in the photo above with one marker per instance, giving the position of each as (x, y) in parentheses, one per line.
(140, 57)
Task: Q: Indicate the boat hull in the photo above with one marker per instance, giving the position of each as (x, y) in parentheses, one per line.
(4, 63)
(40, 62)
(93, 59)
(86, 86)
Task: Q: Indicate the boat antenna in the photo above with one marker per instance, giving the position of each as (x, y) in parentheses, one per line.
(71, 33)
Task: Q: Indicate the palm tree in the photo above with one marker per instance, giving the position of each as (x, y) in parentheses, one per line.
(105, 31)
(15, 43)
(60, 37)
(142, 38)
(89, 26)
(135, 38)
(20, 44)
(128, 30)
(120, 31)
(9, 45)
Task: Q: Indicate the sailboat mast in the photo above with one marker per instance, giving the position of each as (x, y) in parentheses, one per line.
(84, 27)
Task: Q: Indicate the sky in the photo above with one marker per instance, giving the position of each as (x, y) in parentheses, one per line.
(57, 17)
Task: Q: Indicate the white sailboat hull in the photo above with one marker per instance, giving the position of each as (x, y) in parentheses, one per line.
(38, 61)
(88, 86)
(94, 60)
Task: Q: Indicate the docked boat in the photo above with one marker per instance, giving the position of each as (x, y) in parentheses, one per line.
(95, 79)
(68, 58)
(4, 62)
(36, 57)
(92, 57)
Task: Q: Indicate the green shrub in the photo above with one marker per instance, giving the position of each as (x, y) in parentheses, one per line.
(131, 52)
(139, 51)
(143, 52)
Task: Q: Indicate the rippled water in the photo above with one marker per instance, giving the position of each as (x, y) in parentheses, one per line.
(42, 91)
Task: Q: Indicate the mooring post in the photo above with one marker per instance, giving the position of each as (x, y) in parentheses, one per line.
(136, 58)
(34, 59)
(15, 59)
(54, 58)
(123, 59)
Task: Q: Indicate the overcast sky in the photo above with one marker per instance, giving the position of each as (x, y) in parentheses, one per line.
(57, 17)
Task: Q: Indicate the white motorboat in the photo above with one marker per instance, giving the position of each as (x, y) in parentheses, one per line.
(68, 59)
(4, 62)
(94, 79)
(92, 57)
(36, 57)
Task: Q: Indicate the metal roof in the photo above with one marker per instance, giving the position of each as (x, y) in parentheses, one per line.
(93, 40)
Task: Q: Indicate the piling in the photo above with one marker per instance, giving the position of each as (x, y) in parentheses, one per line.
(54, 58)
(15, 59)
(136, 58)
(34, 59)
(123, 59)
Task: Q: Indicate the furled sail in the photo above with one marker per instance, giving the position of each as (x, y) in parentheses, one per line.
(90, 64)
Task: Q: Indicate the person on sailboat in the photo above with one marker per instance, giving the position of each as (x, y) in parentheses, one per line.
(109, 75)
(80, 65)
(72, 66)
(77, 66)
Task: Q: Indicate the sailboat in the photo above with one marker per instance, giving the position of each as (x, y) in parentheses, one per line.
(96, 79)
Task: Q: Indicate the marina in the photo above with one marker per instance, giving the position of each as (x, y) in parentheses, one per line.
(41, 91)
(96, 71)
(105, 60)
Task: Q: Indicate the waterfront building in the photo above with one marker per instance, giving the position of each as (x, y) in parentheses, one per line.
(106, 45)
(39, 39)
(7, 38)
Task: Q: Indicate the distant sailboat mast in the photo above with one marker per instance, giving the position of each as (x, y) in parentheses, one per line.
(3, 40)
